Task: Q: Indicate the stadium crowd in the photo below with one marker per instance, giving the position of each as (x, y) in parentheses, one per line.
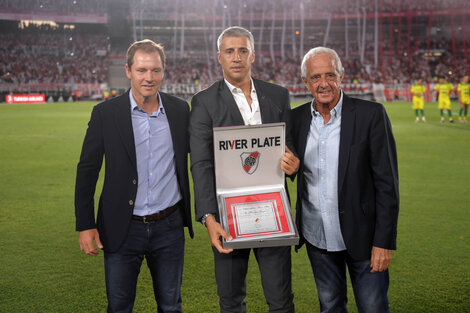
(40, 56)
(85, 6)
(396, 70)
(163, 7)
(47, 57)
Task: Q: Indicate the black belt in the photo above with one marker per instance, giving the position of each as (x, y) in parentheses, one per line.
(156, 216)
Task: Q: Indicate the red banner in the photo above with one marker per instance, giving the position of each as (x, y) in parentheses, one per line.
(34, 98)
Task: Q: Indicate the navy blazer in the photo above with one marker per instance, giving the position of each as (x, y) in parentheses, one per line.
(367, 175)
(214, 107)
(110, 134)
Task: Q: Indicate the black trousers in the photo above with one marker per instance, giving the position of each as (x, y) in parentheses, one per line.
(275, 267)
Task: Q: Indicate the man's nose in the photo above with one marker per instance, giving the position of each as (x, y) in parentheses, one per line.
(149, 76)
(323, 81)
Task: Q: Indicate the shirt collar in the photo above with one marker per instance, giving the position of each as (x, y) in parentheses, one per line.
(336, 111)
(134, 105)
(233, 89)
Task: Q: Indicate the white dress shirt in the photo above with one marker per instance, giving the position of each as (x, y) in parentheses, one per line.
(251, 115)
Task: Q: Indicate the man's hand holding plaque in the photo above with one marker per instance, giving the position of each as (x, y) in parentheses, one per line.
(216, 231)
(289, 163)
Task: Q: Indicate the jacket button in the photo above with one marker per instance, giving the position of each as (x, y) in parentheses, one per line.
(131, 202)
(134, 181)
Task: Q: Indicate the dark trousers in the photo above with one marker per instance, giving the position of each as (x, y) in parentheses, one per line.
(162, 244)
(329, 270)
(275, 267)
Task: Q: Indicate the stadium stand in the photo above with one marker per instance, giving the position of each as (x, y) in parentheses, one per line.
(52, 60)
(384, 44)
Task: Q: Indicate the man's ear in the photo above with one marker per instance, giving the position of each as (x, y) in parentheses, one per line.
(128, 71)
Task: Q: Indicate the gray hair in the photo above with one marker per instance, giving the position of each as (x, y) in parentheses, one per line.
(322, 50)
(236, 31)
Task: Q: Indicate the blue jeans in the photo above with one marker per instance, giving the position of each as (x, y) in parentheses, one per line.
(329, 270)
(162, 244)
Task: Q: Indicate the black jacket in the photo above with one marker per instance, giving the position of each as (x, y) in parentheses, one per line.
(367, 175)
(110, 134)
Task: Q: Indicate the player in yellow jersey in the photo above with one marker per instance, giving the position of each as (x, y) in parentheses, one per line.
(444, 88)
(464, 98)
(418, 89)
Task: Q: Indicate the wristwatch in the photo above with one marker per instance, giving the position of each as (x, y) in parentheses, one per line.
(203, 219)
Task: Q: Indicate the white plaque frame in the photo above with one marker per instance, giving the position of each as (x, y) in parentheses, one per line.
(239, 181)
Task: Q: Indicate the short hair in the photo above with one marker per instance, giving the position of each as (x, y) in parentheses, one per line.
(147, 46)
(236, 31)
(322, 50)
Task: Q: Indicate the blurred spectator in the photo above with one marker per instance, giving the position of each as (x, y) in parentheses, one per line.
(47, 55)
(39, 55)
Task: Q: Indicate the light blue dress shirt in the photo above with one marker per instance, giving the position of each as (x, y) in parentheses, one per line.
(320, 217)
(157, 187)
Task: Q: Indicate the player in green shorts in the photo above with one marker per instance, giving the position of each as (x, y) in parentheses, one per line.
(464, 98)
(444, 88)
(418, 89)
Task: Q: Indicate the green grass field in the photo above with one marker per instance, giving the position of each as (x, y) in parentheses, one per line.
(43, 270)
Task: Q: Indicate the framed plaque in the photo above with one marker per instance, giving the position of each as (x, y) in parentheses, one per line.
(259, 218)
(253, 205)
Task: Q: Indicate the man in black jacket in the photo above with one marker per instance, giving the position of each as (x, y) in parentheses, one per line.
(347, 188)
(145, 201)
(238, 99)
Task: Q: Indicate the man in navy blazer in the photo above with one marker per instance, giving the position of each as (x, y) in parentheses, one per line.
(145, 201)
(238, 99)
(347, 188)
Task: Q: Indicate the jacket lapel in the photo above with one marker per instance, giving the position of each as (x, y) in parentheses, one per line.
(267, 107)
(228, 101)
(348, 117)
(172, 117)
(306, 120)
(124, 125)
